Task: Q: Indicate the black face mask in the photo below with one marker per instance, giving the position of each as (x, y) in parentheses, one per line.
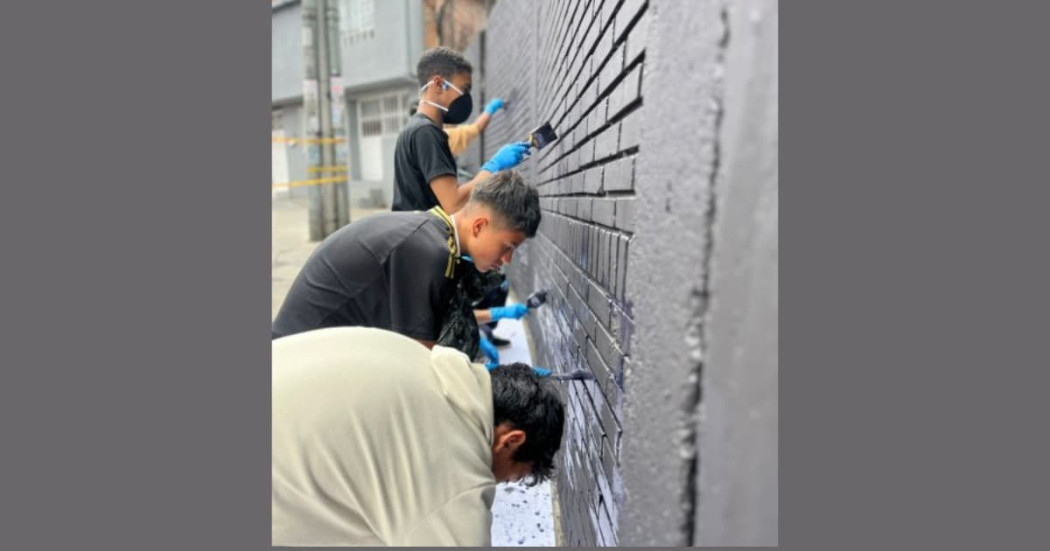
(459, 110)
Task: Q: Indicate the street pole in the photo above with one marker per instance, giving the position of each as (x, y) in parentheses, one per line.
(325, 108)
(339, 118)
(313, 129)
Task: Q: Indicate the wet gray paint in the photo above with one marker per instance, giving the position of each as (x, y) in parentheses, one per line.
(658, 246)
(738, 478)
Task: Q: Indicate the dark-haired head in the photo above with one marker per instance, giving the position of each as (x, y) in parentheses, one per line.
(503, 211)
(441, 62)
(529, 419)
(512, 200)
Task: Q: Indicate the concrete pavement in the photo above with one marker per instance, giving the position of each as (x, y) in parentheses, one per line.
(291, 245)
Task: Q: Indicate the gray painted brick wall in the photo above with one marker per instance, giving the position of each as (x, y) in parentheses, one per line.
(658, 247)
(470, 160)
(565, 62)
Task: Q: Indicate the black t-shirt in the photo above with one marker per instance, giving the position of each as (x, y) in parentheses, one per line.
(385, 271)
(421, 154)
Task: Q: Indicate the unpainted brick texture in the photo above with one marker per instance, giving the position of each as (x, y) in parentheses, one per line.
(578, 64)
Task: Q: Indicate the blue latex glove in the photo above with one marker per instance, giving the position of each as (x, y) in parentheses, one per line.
(490, 352)
(514, 311)
(508, 156)
(495, 105)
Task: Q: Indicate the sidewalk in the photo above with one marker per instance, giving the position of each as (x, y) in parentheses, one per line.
(290, 245)
(520, 516)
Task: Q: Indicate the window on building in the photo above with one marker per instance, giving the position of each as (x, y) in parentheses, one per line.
(392, 122)
(386, 114)
(357, 20)
(371, 117)
(408, 101)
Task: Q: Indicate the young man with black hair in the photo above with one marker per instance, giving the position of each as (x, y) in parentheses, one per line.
(424, 167)
(398, 270)
(425, 170)
(461, 135)
(378, 441)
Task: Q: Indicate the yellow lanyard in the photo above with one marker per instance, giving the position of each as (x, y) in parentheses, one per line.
(452, 250)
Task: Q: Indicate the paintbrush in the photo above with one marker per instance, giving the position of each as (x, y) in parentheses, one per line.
(536, 299)
(578, 375)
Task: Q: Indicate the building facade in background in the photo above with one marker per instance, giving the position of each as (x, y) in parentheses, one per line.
(288, 157)
(380, 43)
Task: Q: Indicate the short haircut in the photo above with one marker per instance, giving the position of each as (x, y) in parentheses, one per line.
(443, 62)
(515, 202)
(532, 404)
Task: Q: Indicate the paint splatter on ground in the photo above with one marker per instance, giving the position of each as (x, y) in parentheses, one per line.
(521, 516)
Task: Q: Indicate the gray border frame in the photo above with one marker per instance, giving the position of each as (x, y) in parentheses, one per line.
(136, 379)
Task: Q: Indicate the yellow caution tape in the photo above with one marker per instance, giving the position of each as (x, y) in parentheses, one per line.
(314, 182)
(308, 140)
(342, 168)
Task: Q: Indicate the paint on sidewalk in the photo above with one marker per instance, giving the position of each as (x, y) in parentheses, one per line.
(521, 516)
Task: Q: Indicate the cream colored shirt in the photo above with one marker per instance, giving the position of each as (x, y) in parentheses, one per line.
(459, 137)
(377, 440)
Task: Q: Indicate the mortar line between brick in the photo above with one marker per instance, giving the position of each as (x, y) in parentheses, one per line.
(628, 109)
(586, 276)
(612, 51)
(592, 223)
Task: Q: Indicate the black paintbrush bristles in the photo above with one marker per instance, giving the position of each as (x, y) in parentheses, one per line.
(578, 375)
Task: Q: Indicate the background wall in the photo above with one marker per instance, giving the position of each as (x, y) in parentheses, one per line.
(387, 52)
(286, 60)
(659, 246)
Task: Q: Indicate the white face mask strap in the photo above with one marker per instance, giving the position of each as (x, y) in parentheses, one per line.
(424, 87)
(454, 87)
(445, 109)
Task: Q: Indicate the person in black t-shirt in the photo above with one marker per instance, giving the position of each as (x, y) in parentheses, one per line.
(459, 138)
(396, 270)
(461, 135)
(424, 169)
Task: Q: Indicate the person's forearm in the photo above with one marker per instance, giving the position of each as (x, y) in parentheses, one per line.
(464, 190)
(482, 121)
(483, 316)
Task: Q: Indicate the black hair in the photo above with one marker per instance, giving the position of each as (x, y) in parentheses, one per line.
(443, 62)
(514, 201)
(530, 403)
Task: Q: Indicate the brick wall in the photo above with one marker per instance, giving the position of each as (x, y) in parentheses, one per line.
(579, 65)
(470, 159)
(658, 247)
